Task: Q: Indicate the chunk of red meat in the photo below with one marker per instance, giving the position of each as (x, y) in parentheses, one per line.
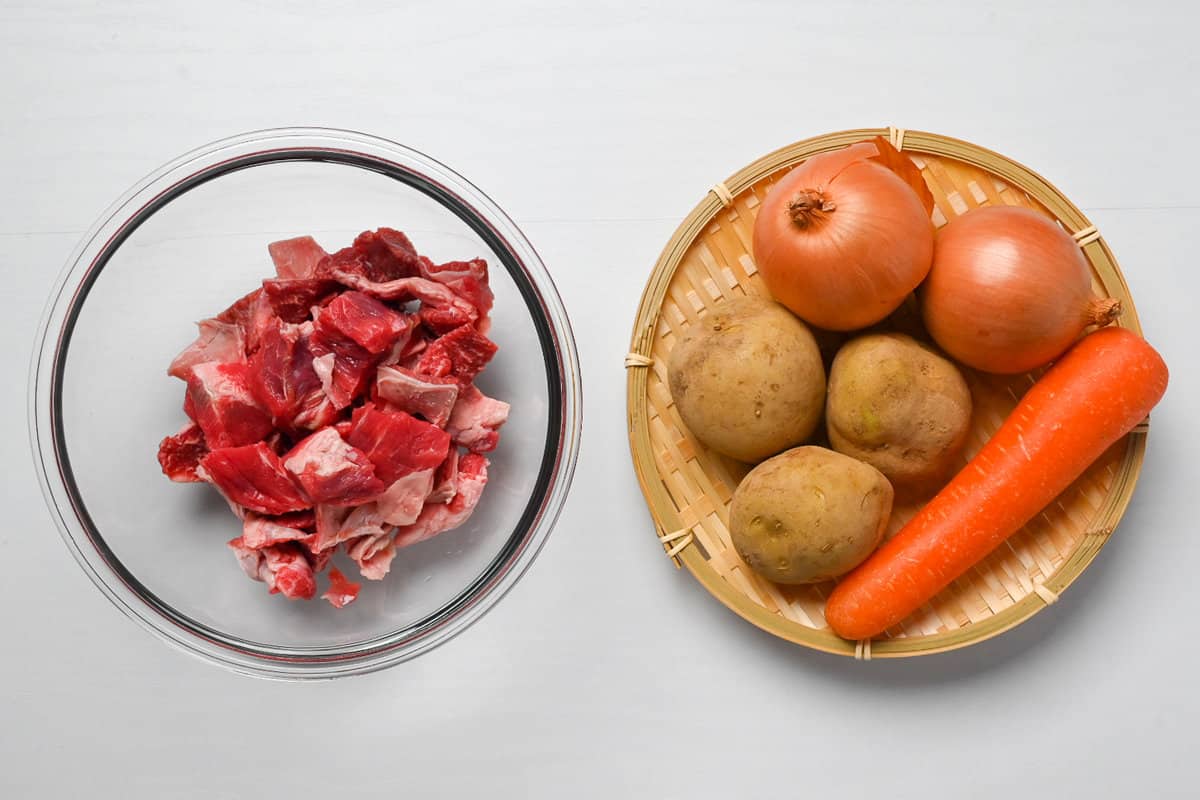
(389, 254)
(373, 554)
(179, 455)
(223, 405)
(252, 314)
(331, 471)
(397, 443)
(462, 353)
(441, 309)
(401, 504)
(445, 479)
(424, 395)
(467, 279)
(259, 532)
(292, 299)
(296, 258)
(218, 341)
(281, 372)
(439, 518)
(367, 322)
(342, 591)
(344, 367)
(476, 419)
(254, 477)
(363, 520)
(283, 567)
(242, 309)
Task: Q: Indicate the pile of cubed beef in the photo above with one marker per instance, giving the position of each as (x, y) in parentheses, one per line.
(335, 408)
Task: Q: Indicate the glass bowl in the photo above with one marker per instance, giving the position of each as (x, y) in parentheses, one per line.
(179, 247)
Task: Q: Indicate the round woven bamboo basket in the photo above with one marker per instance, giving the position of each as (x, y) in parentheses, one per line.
(688, 488)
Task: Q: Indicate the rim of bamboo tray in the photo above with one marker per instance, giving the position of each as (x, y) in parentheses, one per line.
(662, 508)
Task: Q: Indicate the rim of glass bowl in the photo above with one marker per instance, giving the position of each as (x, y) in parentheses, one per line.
(353, 149)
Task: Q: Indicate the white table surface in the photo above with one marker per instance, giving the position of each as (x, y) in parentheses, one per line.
(606, 673)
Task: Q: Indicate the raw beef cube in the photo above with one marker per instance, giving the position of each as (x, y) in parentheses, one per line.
(242, 309)
(468, 279)
(445, 479)
(430, 397)
(218, 341)
(331, 471)
(180, 455)
(254, 477)
(252, 314)
(292, 299)
(441, 308)
(281, 372)
(438, 518)
(296, 258)
(362, 520)
(259, 532)
(373, 554)
(462, 353)
(223, 405)
(282, 567)
(342, 591)
(346, 368)
(367, 322)
(388, 253)
(476, 420)
(397, 443)
(401, 504)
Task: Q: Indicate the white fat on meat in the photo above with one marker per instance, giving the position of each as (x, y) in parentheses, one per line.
(323, 366)
(432, 399)
(322, 455)
(402, 502)
(259, 532)
(445, 479)
(476, 419)
(218, 341)
(248, 558)
(427, 291)
(373, 554)
(363, 520)
(281, 567)
(439, 518)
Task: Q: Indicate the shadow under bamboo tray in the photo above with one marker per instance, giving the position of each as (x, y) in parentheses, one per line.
(688, 488)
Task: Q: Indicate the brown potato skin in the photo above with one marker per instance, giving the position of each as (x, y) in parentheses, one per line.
(899, 406)
(748, 380)
(808, 515)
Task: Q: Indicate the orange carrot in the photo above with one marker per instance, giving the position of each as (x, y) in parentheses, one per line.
(1106, 384)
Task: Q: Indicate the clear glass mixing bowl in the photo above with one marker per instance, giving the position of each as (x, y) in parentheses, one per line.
(182, 245)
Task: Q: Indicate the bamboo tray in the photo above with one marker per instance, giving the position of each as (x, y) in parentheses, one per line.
(688, 488)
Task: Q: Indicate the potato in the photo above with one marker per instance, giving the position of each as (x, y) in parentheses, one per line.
(900, 407)
(748, 379)
(808, 515)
